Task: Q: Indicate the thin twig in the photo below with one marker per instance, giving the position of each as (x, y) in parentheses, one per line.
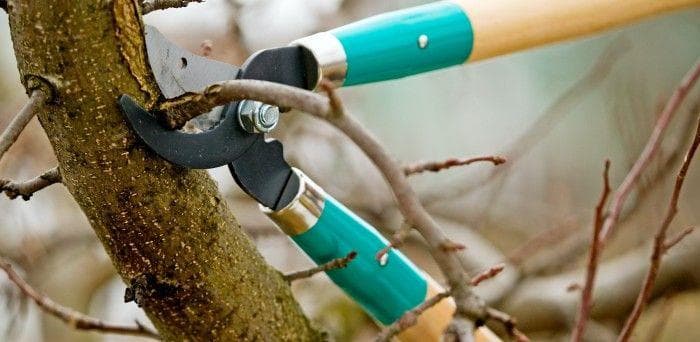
(660, 243)
(71, 317)
(16, 126)
(649, 151)
(410, 318)
(331, 265)
(487, 274)
(155, 5)
(670, 243)
(592, 267)
(437, 166)
(27, 188)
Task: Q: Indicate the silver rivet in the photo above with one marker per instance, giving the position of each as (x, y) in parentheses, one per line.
(422, 41)
(384, 259)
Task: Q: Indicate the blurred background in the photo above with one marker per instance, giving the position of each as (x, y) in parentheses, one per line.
(556, 113)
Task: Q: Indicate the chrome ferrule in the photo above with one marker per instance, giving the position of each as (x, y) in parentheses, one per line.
(330, 56)
(303, 212)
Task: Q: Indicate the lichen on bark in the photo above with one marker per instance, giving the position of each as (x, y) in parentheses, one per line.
(168, 231)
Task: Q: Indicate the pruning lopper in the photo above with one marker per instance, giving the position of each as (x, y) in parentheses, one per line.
(383, 47)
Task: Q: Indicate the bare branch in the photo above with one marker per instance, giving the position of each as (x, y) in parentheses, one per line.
(592, 267)
(16, 126)
(155, 5)
(487, 274)
(678, 238)
(176, 112)
(27, 188)
(437, 166)
(468, 304)
(650, 149)
(71, 317)
(410, 318)
(508, 322)
(331, 265)
(660, 243)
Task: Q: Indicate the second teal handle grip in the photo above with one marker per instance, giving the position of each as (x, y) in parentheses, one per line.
(327, 230)
(405, 42)
(387, 290)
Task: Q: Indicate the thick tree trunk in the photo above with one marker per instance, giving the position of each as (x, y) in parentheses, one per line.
(167, 230)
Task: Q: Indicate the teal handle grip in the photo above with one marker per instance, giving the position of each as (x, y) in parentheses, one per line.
(405, 42)
(386, 290)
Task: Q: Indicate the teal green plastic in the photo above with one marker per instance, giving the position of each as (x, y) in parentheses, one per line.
(386, 47)
(385, 292)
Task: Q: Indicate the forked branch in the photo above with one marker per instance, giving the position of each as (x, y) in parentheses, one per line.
(69, 316)
(661, 244)
(649, 151)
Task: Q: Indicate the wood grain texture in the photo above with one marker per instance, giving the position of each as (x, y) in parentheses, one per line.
(505, 26)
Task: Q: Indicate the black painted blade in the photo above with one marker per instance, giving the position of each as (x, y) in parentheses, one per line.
(215, 147)
(263, 174)
(291, 65)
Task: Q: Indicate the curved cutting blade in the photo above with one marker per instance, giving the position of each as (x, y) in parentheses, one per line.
(263, 174)
(215, 147)
(178, 71)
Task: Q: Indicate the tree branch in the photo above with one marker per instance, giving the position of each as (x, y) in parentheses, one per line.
(678, 238)
(487, 274)
(660, 242)
(71, 317)
(469, 306)
(16, 126)
(176, 112)
(27, 188)
(650, 149)
(155, 5)
(592, 268)
(331, 265)
(437, 166)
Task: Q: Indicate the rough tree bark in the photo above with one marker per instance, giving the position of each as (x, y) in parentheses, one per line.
(169, 233)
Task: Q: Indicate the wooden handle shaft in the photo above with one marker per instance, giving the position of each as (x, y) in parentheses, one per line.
(504, 26)
(432, 323)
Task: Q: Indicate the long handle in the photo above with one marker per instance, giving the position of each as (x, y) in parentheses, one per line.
(326, 230)
(446, 33)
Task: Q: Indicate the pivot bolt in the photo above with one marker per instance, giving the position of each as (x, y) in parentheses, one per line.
(257, 117)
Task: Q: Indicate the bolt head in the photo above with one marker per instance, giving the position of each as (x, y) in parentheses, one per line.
(257, 117)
